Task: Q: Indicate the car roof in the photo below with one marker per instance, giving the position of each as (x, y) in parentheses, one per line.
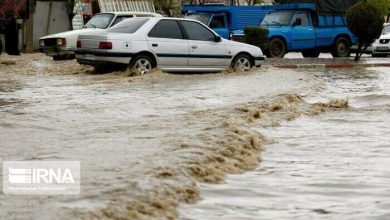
(131, 13)
(173, 18)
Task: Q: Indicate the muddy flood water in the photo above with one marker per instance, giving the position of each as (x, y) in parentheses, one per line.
(152, 143)
(332, 166)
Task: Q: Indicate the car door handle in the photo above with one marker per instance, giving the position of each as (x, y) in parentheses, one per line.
(154, 45)
(194, 47)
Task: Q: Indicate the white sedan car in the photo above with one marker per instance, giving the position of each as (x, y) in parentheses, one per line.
(381, 47)
(171, 44)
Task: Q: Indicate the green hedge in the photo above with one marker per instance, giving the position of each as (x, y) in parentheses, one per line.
(257, 36)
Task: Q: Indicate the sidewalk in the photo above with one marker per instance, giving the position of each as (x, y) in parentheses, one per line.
(296, 61)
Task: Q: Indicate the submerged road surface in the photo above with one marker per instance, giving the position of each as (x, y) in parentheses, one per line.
(119, 128)
(333, 166)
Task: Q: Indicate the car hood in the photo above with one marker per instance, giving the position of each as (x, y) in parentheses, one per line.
(385, 36)
(74, 33)
(239, 44)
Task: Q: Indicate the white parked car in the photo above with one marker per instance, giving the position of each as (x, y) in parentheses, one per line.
(171, 44)
(381, 47)
(62, 45)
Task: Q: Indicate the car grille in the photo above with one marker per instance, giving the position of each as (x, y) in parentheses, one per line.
(239, 38)
(384, 41)
(50, 42)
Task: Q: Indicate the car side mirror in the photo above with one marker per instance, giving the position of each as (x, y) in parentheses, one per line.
(217, 39)
(297, 22)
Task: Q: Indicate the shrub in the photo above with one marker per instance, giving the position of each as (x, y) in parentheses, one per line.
(382, 5)
(257, 36)
(366, 22)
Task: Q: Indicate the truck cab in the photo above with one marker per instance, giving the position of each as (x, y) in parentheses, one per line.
(295, 28)
(216, 21)
(224, 20)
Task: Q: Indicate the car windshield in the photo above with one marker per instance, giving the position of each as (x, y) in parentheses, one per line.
(280, 18)
(128, 26)
(386, 29)
(204, 18)
(100, 21)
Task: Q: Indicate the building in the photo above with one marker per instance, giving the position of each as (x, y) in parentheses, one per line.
(38, 18)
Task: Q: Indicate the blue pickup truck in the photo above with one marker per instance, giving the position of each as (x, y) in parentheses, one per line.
(224, 20)
(300, 28)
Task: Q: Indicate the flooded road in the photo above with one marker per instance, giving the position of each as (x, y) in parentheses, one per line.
(141, 141)
(332, 166)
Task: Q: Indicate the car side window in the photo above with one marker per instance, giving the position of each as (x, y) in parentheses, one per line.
(304, 19)
(196, 31)
(218, 21)
(166, 29)
(121, 18)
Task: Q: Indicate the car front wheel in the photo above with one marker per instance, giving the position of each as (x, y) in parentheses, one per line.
(140, 65)
(242, 63)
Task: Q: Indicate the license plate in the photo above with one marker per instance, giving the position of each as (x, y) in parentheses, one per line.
(382, 49)
(89, 57)
(50, 51)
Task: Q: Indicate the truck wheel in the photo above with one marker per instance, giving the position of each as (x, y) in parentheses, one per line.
(140, 65)
(277, 48)
(311, 53)
(341, 48)
(242, 62)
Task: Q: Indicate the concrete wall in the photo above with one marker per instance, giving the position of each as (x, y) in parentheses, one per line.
(58, 21)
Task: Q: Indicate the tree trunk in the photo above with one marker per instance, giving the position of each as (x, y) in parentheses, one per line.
(358, 52)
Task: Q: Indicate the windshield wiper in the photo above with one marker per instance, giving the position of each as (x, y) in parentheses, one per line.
(275, 22)
(94, 26)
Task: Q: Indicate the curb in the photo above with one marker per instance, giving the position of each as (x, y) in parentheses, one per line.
(328, 66)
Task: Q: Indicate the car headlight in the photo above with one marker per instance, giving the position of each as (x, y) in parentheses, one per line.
(41, 43)
(61, 42)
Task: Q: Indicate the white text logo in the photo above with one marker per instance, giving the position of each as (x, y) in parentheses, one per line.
(41, 177)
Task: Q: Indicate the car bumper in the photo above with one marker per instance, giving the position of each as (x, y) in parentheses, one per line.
(102, 58)
(381, 49)
(259, 61)
(56, 51)
(354, 49)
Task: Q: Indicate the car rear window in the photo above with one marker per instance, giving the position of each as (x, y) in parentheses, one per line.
(100, 21)
(128, 26)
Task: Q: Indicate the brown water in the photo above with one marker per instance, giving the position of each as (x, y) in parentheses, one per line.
(142, 142)
(332, 166)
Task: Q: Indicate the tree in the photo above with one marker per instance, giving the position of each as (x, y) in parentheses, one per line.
(254, 2)
(366, 22)
(69, 11)
(168, 7)
(382, 5)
